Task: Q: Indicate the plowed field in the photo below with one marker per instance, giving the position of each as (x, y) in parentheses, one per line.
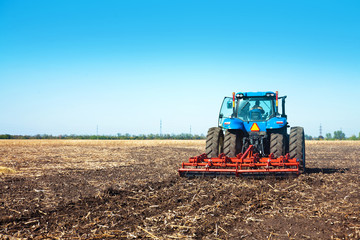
(131, 189)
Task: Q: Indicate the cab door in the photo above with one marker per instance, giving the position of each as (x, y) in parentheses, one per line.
(226, 110)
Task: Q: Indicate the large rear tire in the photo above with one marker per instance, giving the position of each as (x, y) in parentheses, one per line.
(214, 142)
(297, 146)
(232, 143)
(277, 144)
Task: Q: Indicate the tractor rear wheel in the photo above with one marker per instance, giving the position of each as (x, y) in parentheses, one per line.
(277, 144)
(232, 143)
(214, 142)
(297, 146)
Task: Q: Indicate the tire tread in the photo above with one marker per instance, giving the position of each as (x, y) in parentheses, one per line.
(213, 139)
(297, 146)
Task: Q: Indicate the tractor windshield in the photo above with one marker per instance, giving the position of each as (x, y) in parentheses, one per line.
(256, 108)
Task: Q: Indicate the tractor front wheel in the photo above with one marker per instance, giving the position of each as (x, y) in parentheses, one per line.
(214, 142)
(297, 146)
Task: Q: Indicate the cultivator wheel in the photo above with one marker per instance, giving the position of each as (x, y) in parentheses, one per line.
(297, 146)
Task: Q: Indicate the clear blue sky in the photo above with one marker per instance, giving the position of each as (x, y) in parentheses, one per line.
(68, 66)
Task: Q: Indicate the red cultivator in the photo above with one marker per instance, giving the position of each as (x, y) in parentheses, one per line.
(247, 163)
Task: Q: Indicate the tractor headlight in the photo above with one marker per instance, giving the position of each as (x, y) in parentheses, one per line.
(240, 95)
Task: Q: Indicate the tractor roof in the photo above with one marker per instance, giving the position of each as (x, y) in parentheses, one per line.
(256, 94)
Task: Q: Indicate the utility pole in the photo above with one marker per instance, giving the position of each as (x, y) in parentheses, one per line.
(320, 130)
(160, 127)
(97, 132)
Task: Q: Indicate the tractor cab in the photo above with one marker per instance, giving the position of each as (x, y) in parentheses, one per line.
(250, 107)
(254, 118)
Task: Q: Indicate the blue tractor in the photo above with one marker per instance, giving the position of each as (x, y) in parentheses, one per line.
(253, 118)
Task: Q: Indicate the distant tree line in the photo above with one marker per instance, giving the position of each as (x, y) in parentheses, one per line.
(119, 136)
(338, 135)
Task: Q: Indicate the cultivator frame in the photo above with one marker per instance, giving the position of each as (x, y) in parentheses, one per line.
(247, 163)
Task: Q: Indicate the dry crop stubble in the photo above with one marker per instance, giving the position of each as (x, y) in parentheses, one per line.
(124, 189)
(37, 156)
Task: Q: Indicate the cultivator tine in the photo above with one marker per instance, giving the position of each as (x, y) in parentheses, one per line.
(248, 163)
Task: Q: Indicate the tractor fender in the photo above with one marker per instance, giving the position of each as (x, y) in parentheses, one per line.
(276, 123)
(233, 123)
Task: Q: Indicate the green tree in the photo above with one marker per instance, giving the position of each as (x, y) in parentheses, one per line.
(5, 136)
(353, 137)
(308, 137)
(339, 135)
(328, 136)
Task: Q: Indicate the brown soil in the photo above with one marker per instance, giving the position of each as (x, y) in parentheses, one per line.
(117, 189)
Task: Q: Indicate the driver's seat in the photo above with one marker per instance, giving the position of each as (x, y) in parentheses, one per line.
(255, 115)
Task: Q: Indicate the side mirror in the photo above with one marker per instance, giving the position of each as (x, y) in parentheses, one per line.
(229, 104)
(221, 115)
